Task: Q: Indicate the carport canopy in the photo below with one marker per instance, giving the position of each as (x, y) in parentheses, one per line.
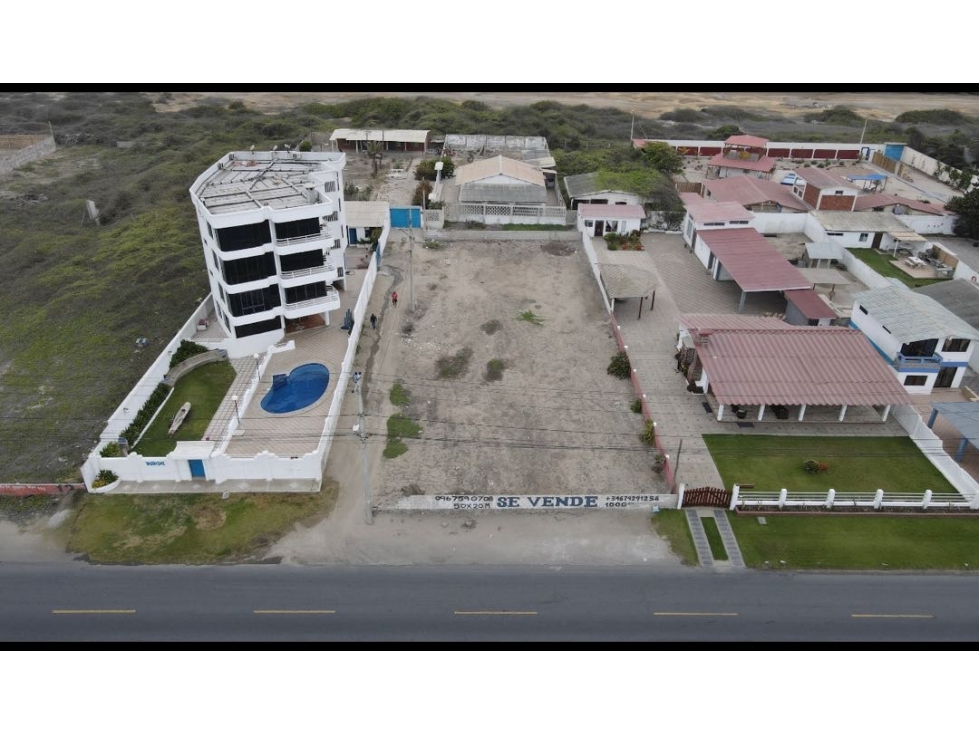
(964, 417)
(627, 281)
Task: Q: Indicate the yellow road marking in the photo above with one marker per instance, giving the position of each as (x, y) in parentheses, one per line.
(294, 611)
(695, 614)
(515, 614)
(893, 616)
(93, 611)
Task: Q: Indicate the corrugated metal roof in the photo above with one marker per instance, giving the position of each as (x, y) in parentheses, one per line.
(393, 136)
(821, 179)
(730, 322)
(762, 164)
(581, 184)
(611, 211)
(806, 365)
(963, 416)
(753, 263)
(750, 140)
(859, 221)
(499, 166)
(911, 316)
(810, 304)
(748, 190)
(510, 193)
(959, 296)
(367, 213)
(824, 250)
(716, 211)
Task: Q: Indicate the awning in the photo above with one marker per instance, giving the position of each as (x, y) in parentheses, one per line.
(627, 281)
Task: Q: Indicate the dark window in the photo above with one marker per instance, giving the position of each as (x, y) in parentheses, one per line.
(210, 231)
(956, 345)
(298, 228)
(916, 380)
(923, 348)
(330, 186)
(305, 292)
(249, 302)
(217, 264)
(863, 236)
(301, 260)
(248, 269)
(863, 310)
(259, 327)
(838, 192)
(243, 237)
(835, 234)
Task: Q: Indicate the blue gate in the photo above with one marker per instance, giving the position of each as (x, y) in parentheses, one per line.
(406, 217)
(893, 150)
(197, 468)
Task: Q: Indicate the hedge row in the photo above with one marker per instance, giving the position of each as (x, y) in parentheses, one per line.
(146, 412)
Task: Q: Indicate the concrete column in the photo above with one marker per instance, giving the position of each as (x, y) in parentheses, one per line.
(932, 417)
(734, 497)
(783, 493)
(974, 505)
(927, 499)
(720, 411)
(878, 498)
(679, 495)
(802, 411)
(830, 496)
(761, 412)
(741, 304)
(887, 412)
(960, 454)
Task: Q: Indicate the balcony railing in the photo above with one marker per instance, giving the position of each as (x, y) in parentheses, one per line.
(302, 273)
(923, 360)
(331, 298)
(302, 238)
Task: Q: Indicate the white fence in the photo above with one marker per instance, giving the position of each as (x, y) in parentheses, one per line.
(779, 222)
(433, 218)
(596, 271)
(929, 223)
(831, 499)
(930, 166)
(867, 275)
(506, 213)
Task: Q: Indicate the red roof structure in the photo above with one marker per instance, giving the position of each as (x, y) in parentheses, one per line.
(730, 322)
(753, 263)
(701, 210)
(747, 141)
(822, 179)
(748, 191)
(869, 201)
(611, 211)
(762, 164)
(810, 304)
(802, 365)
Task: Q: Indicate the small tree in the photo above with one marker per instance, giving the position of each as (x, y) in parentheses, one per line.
(422, 193)
(663, 158)
(375, 152)
(967, 208)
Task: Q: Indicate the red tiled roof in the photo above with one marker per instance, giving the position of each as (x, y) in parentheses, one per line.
(752, 141)
(810, 304)
(869, 201)
(730, 322)
(748, 190)
(805, 365)
(611, 211)
(822, 179)
(753, 263)
(717, 211)
(762, 164)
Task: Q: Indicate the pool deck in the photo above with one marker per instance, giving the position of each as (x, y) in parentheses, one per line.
(298, 433)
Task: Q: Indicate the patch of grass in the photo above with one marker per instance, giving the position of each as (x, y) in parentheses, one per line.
(856, 464)
(619, 366)
(636, 406)
(530, 317)
(671, 525)
(491, 327)
(852, 543)
(432, 245)
(537, 227)
(714, 538)
(189, 528)
(883, 265)
(648, 434)
(400, 396)
(494, 369)
(399, 426)
(456, 366)
(23, 510)
(204, 389)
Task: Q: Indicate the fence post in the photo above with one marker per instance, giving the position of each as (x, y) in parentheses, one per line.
(927, 500)
(830, 496)
(734, 497)
(974, 505)
(878, 498)
(679, 495)
(783, 493)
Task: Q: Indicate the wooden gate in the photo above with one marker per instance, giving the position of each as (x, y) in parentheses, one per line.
(706, 497)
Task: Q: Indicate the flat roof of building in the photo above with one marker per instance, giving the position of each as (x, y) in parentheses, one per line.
(611, 211)
(367, 213)
(821, 179)
(911, 316)
(834, 221)
(810, 304)
(392, 136)
(753, 263)
(702, 210)
(246, 181)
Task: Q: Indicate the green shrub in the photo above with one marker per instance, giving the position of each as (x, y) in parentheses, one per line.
(104, 478)
(619, 366)
(530, 317)
(186, 350)
(636, 406)
(451, 367)
(131, 434)
(648, 435)
(494, 369)
(399, 395)
(812, 466)
(423, 192)
(425, 170)
(110, 450)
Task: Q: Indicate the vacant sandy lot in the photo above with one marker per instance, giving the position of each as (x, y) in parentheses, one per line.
(651, 104)
(555, 422)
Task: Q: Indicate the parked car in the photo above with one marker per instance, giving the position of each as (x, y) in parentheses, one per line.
(789, 179)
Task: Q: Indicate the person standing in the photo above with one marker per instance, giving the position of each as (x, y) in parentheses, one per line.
(373, 321)
(394, 298)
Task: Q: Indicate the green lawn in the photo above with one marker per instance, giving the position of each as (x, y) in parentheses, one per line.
(204, 388)
(714, 538)
(881, 262)
(189, 528)
(851, 542)
(893, 464)
(671, 525)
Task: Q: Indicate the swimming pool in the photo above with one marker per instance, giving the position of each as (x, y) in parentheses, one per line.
(300, 388)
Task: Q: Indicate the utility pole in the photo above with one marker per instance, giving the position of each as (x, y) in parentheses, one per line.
(676, 466)
(866, 120)
(362, 432)
(411, 269)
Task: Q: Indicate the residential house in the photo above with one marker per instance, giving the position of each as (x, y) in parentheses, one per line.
(407, 141)
(961, 297)
(597, 219)
(821, 189)
(742, 155)
(585, 189)
(757, 195)
(897, 205)
(924, 344)
(273, 229)
(702, 214)
(877, 230)
(500, 180)
(366, 219)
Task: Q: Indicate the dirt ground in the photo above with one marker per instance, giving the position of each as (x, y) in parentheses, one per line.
(650, 104)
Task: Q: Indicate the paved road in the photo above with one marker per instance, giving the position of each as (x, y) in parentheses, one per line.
(69, 602)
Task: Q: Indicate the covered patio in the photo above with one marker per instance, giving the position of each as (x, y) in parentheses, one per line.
(964, 417)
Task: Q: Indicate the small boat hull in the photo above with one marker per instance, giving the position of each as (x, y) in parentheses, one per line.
(178, 419)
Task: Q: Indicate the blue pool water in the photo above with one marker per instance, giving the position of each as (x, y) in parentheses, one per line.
(300, 388)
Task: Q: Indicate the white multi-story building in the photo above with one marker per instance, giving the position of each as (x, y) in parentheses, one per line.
(274, 235)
